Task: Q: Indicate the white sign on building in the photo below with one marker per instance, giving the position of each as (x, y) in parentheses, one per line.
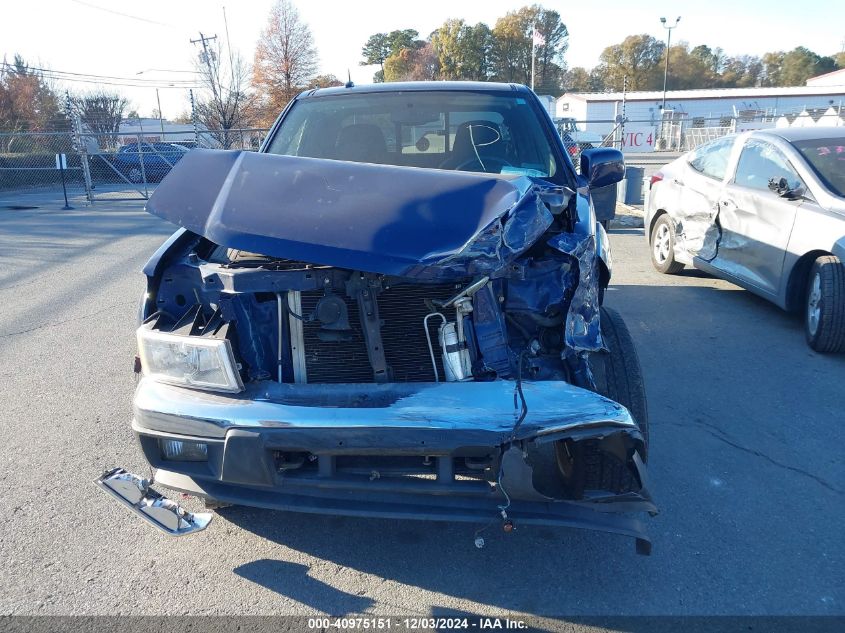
(638, 138)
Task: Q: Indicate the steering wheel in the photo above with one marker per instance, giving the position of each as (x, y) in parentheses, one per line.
(483, 164)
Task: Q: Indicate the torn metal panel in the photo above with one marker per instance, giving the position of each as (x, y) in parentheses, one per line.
(411, 222)
(698, 234)
(582, 330)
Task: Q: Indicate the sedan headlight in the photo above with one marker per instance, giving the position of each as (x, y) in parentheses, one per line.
(192, 361)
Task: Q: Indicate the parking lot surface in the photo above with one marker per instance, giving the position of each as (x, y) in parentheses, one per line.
(746, 465)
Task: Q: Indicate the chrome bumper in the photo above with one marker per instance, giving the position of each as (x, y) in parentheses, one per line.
(483, 407)
(245, 435)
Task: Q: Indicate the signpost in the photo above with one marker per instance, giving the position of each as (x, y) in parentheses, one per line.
(61, 165)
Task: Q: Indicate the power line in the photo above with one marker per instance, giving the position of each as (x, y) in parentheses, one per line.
(75, 74)
(123, 15)
(169, 70)
(64, 75)
(124, 84)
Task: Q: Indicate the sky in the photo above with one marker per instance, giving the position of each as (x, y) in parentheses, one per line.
(121, 39)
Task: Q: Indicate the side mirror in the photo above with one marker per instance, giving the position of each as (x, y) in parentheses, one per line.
(602, 166)
(781, 187)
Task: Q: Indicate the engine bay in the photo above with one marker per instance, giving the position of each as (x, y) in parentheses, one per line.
(292, 321)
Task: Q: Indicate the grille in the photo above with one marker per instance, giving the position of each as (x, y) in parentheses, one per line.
(402, 309)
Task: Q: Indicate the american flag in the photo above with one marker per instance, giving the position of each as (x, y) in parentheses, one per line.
(539, 40)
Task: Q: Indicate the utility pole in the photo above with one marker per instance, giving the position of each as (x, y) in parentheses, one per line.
(668, 48)
(207, 57)
(160, 116)
(194, 119)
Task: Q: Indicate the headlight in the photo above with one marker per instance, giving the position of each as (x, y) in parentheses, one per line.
(192, 361)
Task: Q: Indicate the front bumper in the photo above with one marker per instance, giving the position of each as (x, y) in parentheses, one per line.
(355, 442)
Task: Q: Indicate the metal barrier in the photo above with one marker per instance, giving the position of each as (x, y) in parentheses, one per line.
(28, 160)
(111, 165)
(104, 164)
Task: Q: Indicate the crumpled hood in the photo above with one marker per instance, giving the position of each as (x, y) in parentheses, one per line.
(403, 221)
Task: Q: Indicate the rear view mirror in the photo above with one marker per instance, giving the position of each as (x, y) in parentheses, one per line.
(602, 166)
(413, 114)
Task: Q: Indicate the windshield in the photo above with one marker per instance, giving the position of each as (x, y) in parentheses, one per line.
(468, 131)
(827, 158)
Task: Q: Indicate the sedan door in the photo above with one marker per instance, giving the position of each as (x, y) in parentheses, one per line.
(701, 183)
(756, 221)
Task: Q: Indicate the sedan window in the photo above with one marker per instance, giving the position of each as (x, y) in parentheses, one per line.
(827, 158)
(759, 163)
(712, 159)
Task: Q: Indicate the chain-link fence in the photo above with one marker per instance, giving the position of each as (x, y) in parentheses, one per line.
(674, 132)
(127, 161)
(105, 163)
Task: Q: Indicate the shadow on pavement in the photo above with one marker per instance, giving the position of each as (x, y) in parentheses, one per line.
(292, 580)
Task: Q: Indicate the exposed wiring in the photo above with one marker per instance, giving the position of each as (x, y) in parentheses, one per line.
(522, 405)
(518, 397)
(297, 316)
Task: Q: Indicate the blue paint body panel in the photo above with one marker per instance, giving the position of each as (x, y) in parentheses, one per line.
(410, 222)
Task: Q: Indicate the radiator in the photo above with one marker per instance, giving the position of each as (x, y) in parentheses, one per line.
(402, 309)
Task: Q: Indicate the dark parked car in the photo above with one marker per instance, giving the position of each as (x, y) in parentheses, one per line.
(361, 322)
(153, 161)
(766, 211)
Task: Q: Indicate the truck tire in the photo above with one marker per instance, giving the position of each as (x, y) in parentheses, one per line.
(617, 372)
(824, 313)
(567, 468)
(662, 246)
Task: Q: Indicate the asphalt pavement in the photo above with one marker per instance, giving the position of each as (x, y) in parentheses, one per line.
(746, 465)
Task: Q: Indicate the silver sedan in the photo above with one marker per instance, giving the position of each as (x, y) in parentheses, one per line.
(766, 211)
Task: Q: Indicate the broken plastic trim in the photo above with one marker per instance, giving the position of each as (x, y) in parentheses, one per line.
(135, 493)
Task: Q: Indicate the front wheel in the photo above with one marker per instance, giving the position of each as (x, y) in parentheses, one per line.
(568, 469)
(824, 313)
(663, 246)
(617, 373)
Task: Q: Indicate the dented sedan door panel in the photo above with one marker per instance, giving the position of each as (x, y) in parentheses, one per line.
(701, 184)
(755, 221)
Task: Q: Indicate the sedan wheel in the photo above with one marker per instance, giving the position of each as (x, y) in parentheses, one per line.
(663, 246)
(824, 313)
(135, 175)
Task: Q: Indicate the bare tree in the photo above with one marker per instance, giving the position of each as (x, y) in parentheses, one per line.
(224, 103)
(285, 58)
(101, 112)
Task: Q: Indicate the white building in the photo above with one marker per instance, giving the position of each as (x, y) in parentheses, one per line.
(836, 78)
(150, 130)
(698, 108)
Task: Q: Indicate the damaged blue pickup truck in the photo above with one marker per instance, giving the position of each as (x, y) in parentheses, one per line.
(392, 310)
